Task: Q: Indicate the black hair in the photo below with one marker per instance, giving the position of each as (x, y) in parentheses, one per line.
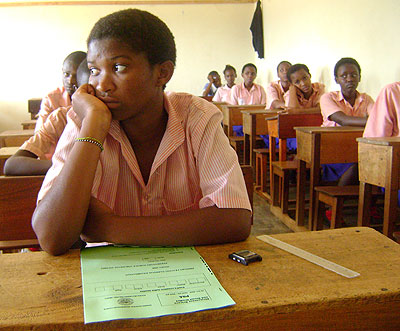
(83, 73)
(282, 62)
(296, 67)
(141, 31)
(75, 57)
(229, 67)
(212, 73)
(346, 60)
(249, 65)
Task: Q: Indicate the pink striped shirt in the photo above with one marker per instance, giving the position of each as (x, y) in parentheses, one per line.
(333, 102)
(223, 94)
(194, 167)
(313, 101)
(240, 95)
(55, 99)
(384, 119)
(274, 92)
(44, 142)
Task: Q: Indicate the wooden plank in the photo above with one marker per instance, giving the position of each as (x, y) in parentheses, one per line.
(12, 138)
(282, 292)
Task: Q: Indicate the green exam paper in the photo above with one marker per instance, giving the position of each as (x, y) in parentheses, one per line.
(141, 282)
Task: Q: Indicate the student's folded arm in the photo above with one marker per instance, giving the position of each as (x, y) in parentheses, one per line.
(345, 120)
(211, 225)
(276, 104)
(60, 216)
(292, 101)
(25, 163)
(206, 91)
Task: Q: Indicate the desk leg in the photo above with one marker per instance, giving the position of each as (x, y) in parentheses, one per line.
(272, 157)
(253, 137)
(364, 204)
(314, 180)
(282, 149)
(246, 149)
(300, 192)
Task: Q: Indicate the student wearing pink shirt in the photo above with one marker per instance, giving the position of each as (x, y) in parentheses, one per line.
(276, 90)
(347, 106)
(384, 118)
(34, 156)
(248, 93)
(61, 97)
(140, 167)
(302, 93)
(224, 92)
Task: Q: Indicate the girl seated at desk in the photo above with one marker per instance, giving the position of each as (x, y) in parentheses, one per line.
(302, 93)
(248, 92)
(224, 92)
(34, 156)
(276, 90)
(140, 167)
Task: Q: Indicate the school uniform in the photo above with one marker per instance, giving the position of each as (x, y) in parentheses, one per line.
(194, 166)
(274, 92)
(212, 91)
(333, 102)
(240, 95)
(43, 143)
(55, 99)
(313, 101)
(384, 119)
(223, 94)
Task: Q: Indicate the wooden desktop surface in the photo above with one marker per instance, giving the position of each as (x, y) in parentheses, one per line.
(285, 292)
(12, 138)
(232, 115)
(379, 164)
(321, 145)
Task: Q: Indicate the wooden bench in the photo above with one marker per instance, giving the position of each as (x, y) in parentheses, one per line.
(280, 174)
(18, 196)
(334, 197)
(261, 167)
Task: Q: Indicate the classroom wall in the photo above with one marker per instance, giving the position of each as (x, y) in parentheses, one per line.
(35, 41)
(320, 32)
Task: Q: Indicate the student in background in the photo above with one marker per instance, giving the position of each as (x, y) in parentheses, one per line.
(384, 118)
(34, 156)
(61, 97)
(347, 106)
(276, 90)
(214, 82)
(302, 93)
(224, 92)
(141, 167)
(248, 93)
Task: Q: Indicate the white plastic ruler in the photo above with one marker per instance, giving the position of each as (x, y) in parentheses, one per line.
(309, 257)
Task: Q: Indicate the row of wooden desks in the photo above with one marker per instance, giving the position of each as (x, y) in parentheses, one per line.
(282, 292)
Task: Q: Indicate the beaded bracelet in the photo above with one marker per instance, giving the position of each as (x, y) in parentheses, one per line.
(92, 141)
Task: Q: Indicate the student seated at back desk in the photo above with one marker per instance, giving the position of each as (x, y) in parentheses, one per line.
(347, 107)
(276, 90)
(34, 156)
(248, 92)
(302, 93)
(224, 92)
(61, 97)
(214, 82)
(166, 174)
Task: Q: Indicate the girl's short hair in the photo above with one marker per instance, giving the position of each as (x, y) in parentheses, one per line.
(141, 31)
(249, 65)
(229, 67)
(296, 67)
(346, 60)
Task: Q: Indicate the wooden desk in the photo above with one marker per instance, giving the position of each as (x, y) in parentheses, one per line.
(379, 164)
(5, 153)
(233, 115)
(219, 104)
(29, 125)
(254, 124)
(11, 138)
(282, 127)
(282, 292)
(34, 107)
(316, 146)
